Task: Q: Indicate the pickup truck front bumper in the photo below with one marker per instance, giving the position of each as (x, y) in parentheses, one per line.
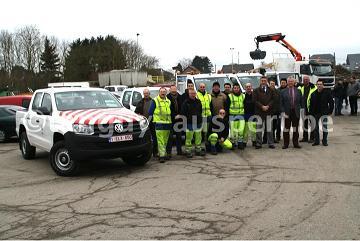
(82, 147)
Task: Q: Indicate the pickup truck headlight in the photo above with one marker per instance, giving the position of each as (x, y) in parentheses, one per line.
(83, 129)
(144, 123)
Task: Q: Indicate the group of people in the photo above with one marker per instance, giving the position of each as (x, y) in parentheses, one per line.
(230, 119)
(347, 91)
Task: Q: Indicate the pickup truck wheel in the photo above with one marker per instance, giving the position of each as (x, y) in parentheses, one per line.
(138, 160)
(61, 161)
(28, 151)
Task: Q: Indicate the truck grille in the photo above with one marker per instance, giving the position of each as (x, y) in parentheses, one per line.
(128, 127)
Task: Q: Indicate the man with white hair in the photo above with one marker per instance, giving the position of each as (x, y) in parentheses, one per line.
(290, 105)
(142, 108)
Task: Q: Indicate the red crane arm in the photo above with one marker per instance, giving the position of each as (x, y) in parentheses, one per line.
(278, 37)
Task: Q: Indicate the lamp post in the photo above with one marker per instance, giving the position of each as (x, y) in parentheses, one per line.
(232, 60)
(137, 47)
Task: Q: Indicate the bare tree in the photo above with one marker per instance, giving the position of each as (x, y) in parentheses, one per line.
(132, 53)
(149, 62)
(185, 62)
(63, 49)
(29, 47)
(7, 54)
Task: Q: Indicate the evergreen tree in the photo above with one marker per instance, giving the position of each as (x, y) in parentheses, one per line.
(88, 57)
(49, 61)
(202, 63)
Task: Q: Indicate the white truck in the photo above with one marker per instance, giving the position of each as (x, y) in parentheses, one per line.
(315, 69)
(76, 124)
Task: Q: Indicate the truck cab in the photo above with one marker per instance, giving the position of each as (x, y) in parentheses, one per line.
(317, 70)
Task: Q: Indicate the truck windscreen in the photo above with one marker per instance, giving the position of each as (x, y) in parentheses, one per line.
(253, 80)
(322, 70)
(78, 100)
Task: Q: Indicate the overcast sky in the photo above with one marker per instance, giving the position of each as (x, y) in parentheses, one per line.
(172, 30)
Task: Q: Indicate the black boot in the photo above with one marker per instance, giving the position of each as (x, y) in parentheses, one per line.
(213, 150)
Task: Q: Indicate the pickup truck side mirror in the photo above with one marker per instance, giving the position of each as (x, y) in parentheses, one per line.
(126, 105)
(42, 111)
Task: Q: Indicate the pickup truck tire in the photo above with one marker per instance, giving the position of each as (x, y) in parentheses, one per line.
(28, 151)
(138, 160)
(61, 161)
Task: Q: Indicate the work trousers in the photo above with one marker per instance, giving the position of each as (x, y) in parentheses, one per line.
(214, 139)
(291, 121)
(162, 137)
(323, 121)
(308, 127)
(237, 127)
(171, 141)
(353, 104)
(190, 135)
(250, 131)
(259, 131)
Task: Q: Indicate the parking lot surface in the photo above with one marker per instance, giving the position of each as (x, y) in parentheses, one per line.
(311, 193)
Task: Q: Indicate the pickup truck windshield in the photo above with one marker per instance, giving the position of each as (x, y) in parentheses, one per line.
(77, 100)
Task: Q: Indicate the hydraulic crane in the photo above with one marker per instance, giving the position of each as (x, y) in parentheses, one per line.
(278, 37)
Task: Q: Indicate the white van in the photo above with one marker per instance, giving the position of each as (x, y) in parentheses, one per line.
(132, 96)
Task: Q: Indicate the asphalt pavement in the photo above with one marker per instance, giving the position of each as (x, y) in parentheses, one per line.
(311, 193)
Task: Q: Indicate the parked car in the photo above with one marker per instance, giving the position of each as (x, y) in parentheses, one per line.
(19, 100)
(132, 96)
(76, 124)
(115, 88)
(8, 121)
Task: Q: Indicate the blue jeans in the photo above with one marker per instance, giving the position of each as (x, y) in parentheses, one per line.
(324, 121)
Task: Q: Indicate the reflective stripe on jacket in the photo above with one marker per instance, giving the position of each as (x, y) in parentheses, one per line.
(162, 112)
(236, 104)
(205, 103)
(312, 90)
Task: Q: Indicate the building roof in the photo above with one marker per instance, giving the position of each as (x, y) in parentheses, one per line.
(238, 68)
(352, 58)
(190, 69)
(328, 57)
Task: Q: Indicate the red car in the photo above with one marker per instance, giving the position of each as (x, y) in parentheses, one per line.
(19, 100)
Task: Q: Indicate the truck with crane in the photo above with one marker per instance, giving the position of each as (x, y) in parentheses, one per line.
(316, 69)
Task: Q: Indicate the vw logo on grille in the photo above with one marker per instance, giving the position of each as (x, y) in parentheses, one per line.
(119, 128)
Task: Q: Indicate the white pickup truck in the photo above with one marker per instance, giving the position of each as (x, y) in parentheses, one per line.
(75, 124)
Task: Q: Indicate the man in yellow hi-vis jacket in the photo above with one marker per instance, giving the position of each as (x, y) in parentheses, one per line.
(160, 113)
(237, 121)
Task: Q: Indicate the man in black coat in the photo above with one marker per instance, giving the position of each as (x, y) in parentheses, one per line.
(291, 103)
(185, 95)
(339, 93)
(191, 109)
(142, 108)
(321, 106)
(276, 113)
(218, 133)
(175, 107)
